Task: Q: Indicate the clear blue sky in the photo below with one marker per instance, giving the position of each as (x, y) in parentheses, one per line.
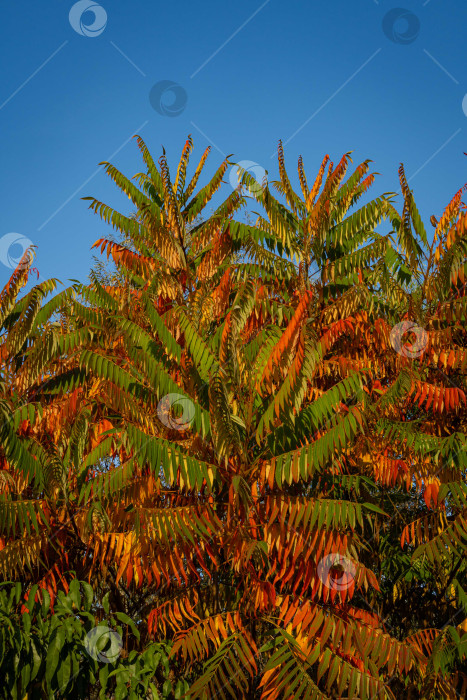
(253, 72)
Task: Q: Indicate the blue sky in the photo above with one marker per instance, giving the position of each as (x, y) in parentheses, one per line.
(386, 81)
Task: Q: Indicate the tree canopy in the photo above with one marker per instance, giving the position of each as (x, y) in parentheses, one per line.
(239, 453)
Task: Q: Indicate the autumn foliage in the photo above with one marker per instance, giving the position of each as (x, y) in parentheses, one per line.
(250, 439)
